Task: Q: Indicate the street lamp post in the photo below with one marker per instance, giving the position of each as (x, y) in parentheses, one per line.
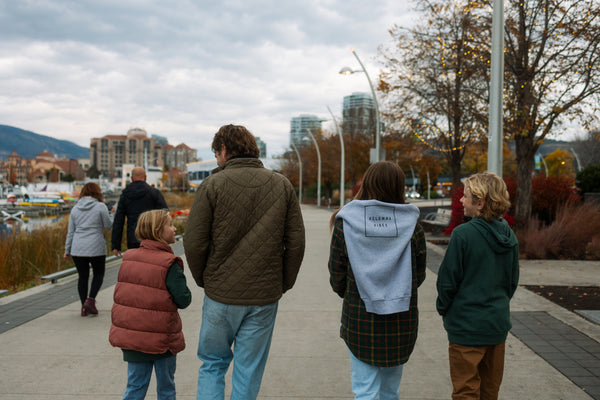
(342, 161)
(300, 174)
(495, 135)
(348, 71)
(544, 162)
(576, 159)
(319, 167)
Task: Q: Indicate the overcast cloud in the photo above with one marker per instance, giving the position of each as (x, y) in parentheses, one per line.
(80, 69)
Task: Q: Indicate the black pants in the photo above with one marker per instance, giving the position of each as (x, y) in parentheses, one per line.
(83, 268)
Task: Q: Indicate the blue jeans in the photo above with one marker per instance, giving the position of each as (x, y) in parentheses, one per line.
(138, 378)
(374, 383)
(251, 329)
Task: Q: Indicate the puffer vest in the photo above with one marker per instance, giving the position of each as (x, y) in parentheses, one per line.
(144, 317)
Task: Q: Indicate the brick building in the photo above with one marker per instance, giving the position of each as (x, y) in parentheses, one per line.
(43, 168)
(110, 152)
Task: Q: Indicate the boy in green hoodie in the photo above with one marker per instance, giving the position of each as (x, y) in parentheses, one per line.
(476, 280)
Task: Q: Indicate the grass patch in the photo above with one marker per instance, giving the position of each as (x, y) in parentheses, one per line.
(27, 256)
(573, 235)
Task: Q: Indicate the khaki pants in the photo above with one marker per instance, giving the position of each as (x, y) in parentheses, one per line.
(476, 372)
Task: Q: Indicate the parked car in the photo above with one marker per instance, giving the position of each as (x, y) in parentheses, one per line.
(413, 194)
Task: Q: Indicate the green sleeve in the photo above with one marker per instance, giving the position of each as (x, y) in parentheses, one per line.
(177, 286)
(419, 248)
(450, 275)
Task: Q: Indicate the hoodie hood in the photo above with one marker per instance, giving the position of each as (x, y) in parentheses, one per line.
(377, 237)
(497, 233)
(86, 203)
(137, 189)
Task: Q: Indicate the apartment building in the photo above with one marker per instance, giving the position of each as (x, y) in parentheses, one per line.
(109, 153)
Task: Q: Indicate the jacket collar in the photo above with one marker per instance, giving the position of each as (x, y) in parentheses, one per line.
(155, 245)
(240, 162)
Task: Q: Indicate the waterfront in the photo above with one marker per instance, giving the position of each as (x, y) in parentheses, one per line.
(27, 224)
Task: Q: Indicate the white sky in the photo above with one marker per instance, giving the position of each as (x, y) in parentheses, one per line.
(77, 69)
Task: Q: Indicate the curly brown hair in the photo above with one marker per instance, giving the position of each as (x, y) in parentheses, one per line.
(237, 140)
(91, 189)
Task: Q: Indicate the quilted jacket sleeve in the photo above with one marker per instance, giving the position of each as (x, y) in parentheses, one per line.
(294, 241)
(196, 240)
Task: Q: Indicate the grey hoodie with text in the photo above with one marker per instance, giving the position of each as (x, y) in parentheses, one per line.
(377, 237)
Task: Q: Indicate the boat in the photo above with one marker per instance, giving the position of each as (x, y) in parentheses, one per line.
(46, 199)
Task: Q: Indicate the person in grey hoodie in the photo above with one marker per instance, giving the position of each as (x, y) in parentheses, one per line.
(86, 243)
(376, 264)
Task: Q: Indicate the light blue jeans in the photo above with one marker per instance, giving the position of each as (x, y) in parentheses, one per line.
(139, 374)
(249, 329)
(374, 383)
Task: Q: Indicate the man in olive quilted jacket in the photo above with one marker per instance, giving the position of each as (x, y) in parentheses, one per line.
(244, 243)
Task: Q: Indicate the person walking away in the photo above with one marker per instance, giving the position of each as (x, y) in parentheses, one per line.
(136, 198)
(86, 243)
(145, 322)
(377, 261)
(477, 278)
(244, 243)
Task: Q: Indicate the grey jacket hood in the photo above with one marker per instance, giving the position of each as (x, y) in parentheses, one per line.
(497, 233)
(86, 203)
(85, 237)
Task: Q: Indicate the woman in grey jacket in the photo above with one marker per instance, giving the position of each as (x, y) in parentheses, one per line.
(86, 243)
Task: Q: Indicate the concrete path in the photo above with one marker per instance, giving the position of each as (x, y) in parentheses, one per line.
(61, 355)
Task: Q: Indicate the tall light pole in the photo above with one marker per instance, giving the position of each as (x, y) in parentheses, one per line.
(319, 167)
(342, 161)
(300, 173)
(576, 159)
(348, 71)
(495, 135)
(544, 162)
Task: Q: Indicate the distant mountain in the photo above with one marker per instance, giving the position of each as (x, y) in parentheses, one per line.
(29, 144)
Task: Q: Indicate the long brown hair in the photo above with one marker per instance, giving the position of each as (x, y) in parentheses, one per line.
(91, 189)
(383, 181)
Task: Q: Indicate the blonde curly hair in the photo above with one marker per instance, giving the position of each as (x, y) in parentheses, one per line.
(490, 188)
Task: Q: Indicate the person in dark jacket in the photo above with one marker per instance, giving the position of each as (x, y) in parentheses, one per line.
(376, 264)
(244, 243)
(136, 198)
(476, 280)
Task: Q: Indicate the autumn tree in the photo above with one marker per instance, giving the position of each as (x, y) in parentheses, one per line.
(93, 172)
(405, 149)
(434, 77)
(552, 60)
(560, 163)
(476, 158)
(429, 166)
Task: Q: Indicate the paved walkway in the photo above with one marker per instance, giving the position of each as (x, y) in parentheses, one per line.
(49, 352)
